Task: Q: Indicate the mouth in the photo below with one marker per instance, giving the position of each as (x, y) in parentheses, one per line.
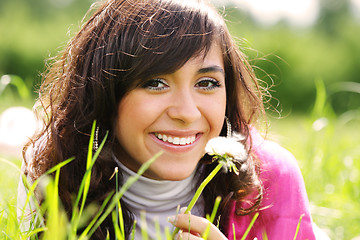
(176, 140)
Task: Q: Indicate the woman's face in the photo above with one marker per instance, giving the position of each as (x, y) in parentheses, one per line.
(175, 113)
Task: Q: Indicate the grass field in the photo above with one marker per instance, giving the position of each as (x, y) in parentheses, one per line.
(329, 159)
(328, 153)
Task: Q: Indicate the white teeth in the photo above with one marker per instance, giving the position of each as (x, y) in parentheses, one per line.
(176, 140)
(183, 141)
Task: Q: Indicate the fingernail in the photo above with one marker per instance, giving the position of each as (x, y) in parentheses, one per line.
(183, 209)
(171, 219)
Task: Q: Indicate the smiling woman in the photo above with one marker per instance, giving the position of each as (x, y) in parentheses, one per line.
(164, 76)
(166, 112)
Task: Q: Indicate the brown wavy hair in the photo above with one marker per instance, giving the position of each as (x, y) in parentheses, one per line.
(123, 43)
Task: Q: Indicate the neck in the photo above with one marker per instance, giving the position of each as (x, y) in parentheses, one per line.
(159, 199)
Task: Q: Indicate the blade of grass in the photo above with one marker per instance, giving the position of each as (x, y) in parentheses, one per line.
(215, 209)
(96, 217)
(56, 220)
(298, 226)
(88, 171)
(144, 234)
(89, 162)
(168, 234)
(250, 226)
(133, 231)
(320, 100)
(118, 234)
(202, 186)
(199, 191)
(121, 220)
(212, 217)
(85, 183)
(234, 232)
(10, 164)
(264, 235)
(34, 232)
(55, 197)
(157, 230)
(18, 83)
(118, 203)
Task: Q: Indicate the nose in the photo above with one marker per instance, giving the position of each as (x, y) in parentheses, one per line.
(184, 107)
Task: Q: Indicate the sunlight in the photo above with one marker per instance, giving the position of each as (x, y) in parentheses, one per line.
(17, 124)
(296, 12)
(355, 8)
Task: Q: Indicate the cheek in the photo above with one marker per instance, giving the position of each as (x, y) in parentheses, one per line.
(136, 113)
(216, 113)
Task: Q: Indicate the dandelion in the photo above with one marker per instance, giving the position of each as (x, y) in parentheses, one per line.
(227, 151)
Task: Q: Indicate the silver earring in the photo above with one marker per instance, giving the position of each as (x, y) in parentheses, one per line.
(228, 127)
(96, 139)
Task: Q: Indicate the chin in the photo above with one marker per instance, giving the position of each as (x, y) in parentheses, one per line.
(177, 178)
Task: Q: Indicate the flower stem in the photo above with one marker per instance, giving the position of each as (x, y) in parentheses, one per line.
(199, 191)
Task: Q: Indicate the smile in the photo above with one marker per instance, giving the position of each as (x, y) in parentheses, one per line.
(176, 140)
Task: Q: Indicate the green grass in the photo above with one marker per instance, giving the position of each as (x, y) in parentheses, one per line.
(9, 177)
(327, 149)
(330, 163)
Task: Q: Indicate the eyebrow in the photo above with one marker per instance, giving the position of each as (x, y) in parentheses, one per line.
(214, 68)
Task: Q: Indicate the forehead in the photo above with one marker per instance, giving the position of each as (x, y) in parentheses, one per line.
(205, 62)
(210, 61)
(213, 55)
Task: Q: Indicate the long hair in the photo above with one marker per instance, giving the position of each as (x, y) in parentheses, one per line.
(123, 43)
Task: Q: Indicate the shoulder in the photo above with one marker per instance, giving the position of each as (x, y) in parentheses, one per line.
(284, 194)
(279, 172)
(28, 194)
(26, 181)
(275, 161)
(284, 200)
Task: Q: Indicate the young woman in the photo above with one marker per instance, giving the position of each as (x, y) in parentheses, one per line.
(164, 75)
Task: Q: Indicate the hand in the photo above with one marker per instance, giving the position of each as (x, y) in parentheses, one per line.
(193, 227)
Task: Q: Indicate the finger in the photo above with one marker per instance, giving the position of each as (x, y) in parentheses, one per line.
(190, 222)
(187, 236)
(195, 224)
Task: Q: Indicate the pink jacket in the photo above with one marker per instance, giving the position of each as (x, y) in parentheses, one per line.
(284, 198)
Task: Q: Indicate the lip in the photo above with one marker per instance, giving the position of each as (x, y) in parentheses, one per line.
(174, 147)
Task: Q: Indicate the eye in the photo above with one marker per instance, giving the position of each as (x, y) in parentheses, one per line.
(207, 84)
(155, 84)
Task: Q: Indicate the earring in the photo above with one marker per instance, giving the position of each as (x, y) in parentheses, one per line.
(228, 127)
(96, 139)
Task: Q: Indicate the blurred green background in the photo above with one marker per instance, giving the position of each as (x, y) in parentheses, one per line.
(314, 71)
(329, 49)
